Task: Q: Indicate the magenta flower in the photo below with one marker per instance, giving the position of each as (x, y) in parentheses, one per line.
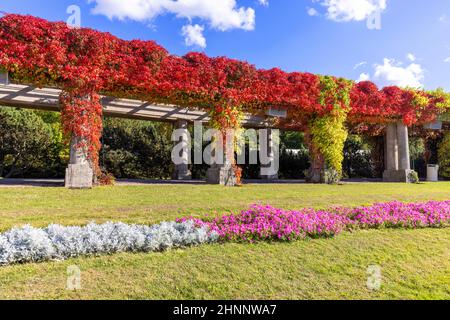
(269, 223)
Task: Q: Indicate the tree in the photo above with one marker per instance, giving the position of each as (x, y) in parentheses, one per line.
(24, 141)
(358, 161)
(137, 149)
(444, 156)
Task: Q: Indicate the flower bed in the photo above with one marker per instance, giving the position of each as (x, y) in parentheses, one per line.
(402, 215)
(268, 223)
(259, 223)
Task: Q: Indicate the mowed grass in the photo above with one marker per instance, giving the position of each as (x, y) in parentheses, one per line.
(414, 263)
(154, 203)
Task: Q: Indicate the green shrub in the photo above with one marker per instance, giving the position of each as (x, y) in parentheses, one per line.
(444, 156)
(413, 177)
(27, 144)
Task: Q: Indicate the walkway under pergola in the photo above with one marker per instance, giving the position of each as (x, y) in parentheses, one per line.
(397, 158)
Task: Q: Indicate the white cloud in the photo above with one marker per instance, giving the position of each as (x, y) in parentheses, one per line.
(221, 15)
(447, 60)
(358, 65)
(411, 57)
(312, 12)
(363, 77)
(264, 3)
(193, 35)
(352, 10)
(392, 73)
(132, 9)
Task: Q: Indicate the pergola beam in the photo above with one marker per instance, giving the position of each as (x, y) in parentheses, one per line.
(23, 96)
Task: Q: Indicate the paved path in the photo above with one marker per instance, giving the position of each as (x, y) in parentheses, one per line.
(60, 182)
(135, 182)
(31, 182)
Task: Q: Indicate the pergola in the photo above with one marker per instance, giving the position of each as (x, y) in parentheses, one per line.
(86, 74)
(30, 97)
(397, 159)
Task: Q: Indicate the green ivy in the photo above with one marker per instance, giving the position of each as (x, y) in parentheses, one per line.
(444, 106)
(444, 156)
(328, 136)
(328, 131)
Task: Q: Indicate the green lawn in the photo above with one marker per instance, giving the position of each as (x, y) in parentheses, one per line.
(414, 263)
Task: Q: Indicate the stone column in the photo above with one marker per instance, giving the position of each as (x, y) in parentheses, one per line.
(269, 154)
(221, 170)
(181, 170)
(398, 168)
(403, 147)
(391, 147)
(79, 173)
(4, 77)
(315, 173)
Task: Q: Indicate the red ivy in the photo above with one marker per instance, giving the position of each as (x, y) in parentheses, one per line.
(85, 62)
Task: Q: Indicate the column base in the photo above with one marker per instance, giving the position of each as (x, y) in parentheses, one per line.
(324, 176)
(221, 175)
(182, 175)
(407, 176)
(79, 176)
(269, 177)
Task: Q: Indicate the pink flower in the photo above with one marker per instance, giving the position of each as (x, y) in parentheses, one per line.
(269, 223)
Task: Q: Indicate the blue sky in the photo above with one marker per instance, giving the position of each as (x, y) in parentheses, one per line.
(410, 47)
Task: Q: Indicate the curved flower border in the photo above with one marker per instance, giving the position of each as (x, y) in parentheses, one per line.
(259, 223)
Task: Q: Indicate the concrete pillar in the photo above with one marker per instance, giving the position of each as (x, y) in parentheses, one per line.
(316, 171)
(181, 170)
(391, 147)
(221, 174)
(398, 168)
(4, 78)
(403, 147)
(269, 154)
(221, 171)
(79, 173)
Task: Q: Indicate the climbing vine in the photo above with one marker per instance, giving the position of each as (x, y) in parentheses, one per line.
(227, 116)
(444, 156)
(81, 115)
(440, 102)
(328, 132)
(85, 63)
